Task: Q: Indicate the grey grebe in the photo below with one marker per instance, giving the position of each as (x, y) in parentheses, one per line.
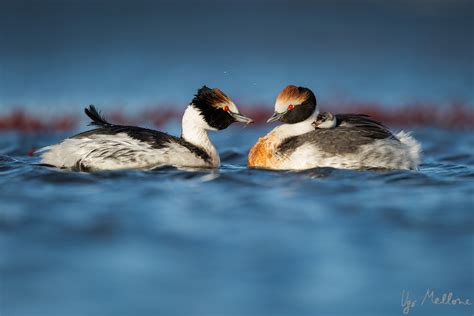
(325, 120)
(356, 142)
(113, 146)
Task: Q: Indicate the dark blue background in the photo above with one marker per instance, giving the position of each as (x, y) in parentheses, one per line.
(141, 53)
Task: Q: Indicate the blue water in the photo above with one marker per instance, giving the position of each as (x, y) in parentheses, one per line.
(236, 241)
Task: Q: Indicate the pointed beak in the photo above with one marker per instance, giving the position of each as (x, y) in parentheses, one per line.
(241, 118)
(275, 117)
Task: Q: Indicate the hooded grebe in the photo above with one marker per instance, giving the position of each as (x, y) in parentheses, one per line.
(356, 142)
(325, 120)
(113, 146)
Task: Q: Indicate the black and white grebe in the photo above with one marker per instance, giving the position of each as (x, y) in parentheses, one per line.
(325, 120)
(111, 146)
(355, 142)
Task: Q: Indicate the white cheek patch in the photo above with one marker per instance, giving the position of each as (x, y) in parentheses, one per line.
(281, 106)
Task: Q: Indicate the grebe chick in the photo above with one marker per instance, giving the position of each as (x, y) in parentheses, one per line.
(325, 120)
(356, 142)
(112, 146)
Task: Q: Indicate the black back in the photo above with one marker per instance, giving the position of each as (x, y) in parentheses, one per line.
(154, 138)
(351, 131)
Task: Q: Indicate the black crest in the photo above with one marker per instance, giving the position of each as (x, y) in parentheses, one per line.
(206, 101)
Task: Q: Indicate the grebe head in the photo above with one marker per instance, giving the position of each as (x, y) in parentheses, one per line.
(216, 109)
(325, 120)
(293, 105)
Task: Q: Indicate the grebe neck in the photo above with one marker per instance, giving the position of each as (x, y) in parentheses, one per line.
(289, 130)
(194, 131)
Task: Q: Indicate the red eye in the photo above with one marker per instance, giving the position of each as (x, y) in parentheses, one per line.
(226, 108)
(291, 107)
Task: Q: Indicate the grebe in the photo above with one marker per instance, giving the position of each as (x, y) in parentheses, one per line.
(325, 120)
(356, 142)
(113, 146)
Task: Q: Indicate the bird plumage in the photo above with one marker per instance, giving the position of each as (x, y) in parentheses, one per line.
(355, 141)
(113, 146)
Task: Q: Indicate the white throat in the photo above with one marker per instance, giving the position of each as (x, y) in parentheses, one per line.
(194, 130)
(287, 130)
